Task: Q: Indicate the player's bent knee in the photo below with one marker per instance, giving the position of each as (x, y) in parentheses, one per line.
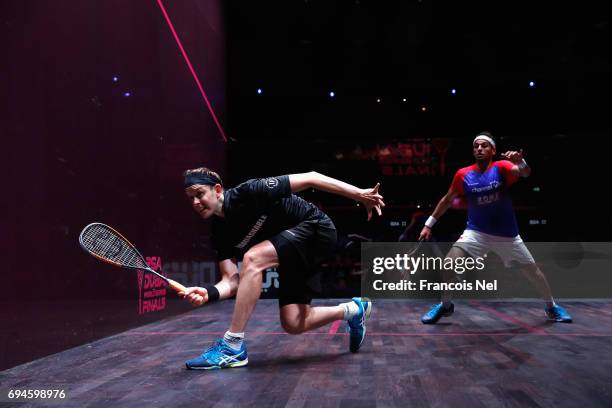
(293, 326)
(293, 318)
(249, 259)
(258, 259)
(251, 264)
(251, 272)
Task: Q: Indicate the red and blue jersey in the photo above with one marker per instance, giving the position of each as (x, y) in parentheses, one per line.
(488, 200)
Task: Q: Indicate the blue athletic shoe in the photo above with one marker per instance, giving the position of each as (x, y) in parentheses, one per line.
(220, 355)
(356, 325)
(558, 314)
(436, 312)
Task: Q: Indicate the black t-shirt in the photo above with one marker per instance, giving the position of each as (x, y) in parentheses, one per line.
(257, 210)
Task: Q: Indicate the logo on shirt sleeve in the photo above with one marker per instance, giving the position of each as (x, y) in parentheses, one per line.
(272, 182)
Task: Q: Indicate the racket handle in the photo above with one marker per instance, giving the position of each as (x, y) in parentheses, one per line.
(176, 286)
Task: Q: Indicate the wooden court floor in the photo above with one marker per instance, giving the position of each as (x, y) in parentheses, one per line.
(487, 354)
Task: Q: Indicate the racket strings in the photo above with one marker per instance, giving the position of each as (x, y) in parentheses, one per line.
(104, 243)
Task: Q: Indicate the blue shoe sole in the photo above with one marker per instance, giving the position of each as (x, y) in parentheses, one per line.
(231, 365)
(552, 319)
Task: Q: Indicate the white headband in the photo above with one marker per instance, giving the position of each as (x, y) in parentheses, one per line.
(484, 137)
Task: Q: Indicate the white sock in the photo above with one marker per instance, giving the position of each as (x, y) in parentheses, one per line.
(233, 340)
(350, 310)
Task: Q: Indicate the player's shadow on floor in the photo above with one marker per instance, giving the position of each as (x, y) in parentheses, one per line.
(265, 362)
(546, 324)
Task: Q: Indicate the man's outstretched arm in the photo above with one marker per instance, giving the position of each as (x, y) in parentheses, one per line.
(443, 205)
(226, 287)
(369, 197)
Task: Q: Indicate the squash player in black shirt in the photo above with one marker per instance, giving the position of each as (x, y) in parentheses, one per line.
(265, 224)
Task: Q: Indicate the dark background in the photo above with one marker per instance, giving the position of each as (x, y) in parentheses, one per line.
(297, 52)
(77, 150)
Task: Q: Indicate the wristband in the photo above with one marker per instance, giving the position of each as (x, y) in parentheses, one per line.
(431, 221)
(522, 164)
(213, 292)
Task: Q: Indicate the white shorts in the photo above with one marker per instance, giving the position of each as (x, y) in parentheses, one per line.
(510, 249)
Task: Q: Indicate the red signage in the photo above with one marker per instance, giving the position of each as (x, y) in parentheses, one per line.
(416, 157)
(151, 288)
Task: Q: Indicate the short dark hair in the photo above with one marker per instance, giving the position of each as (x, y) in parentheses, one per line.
(204, 171)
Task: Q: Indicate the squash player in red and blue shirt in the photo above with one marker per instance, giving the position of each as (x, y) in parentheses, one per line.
(491, 224)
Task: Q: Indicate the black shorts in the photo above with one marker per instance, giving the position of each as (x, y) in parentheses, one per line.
(299, 250)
